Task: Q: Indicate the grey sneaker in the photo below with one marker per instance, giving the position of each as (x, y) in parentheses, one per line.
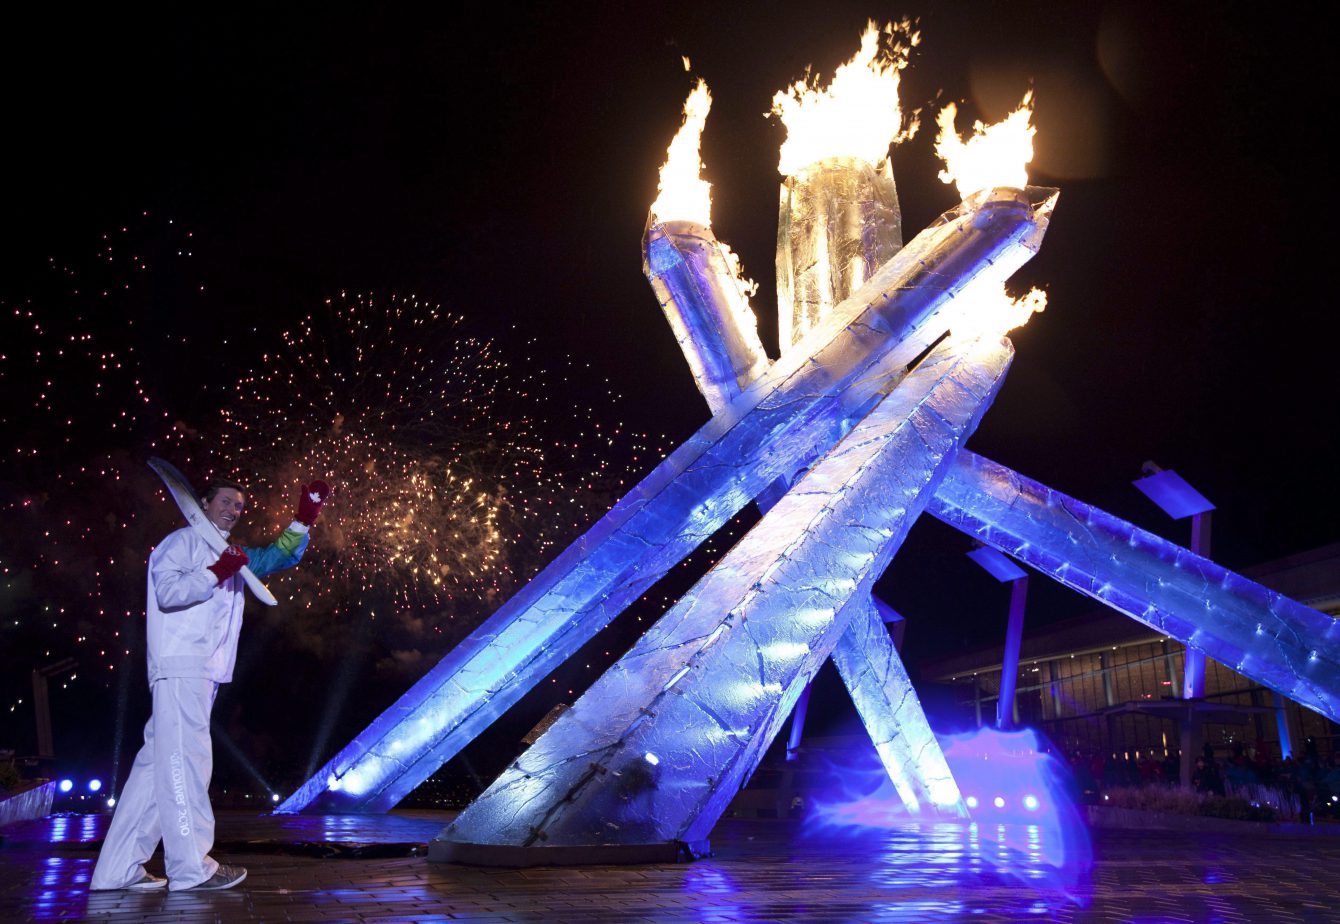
(225, 878)
(148, 883)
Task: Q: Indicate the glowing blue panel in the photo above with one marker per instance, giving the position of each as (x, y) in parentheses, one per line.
(708, 687)
(887, 614)
(1259, 633)
(996, 564)
(1172, 493)
(796, 410)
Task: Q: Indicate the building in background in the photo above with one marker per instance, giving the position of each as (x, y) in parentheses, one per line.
(1105, 683)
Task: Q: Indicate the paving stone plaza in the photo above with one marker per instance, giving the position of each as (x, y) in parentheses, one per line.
(371, 868)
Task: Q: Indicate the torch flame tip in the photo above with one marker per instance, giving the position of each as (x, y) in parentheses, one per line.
(993, 156)
(857, 114)
(985, 309)
(682, 192)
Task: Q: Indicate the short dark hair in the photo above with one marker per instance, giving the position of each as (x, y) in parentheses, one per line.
(216, 486)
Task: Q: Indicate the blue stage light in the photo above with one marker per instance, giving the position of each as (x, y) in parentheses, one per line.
(274, 797)
(998, 802)
(94, 784)
(971, 802)
(1031, 802)
(66, 785)
(111, 801)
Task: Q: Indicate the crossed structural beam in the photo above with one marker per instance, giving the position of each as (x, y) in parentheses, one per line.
(646, 761)
(792, 413)
(652, 753)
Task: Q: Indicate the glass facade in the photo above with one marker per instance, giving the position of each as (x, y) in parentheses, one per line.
(1066, 694)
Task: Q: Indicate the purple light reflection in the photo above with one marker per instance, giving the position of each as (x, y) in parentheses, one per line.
(62, 889)
(1024, 824)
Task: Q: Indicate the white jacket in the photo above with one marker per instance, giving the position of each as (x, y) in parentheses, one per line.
(193, 620)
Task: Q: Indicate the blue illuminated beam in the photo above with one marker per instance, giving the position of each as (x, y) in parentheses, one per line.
(704, 300)
(1263, 635)
(892, 714)
(709, 312)
(656, 749)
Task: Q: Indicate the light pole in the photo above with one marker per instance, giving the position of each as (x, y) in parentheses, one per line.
(1007, 572)
(1179, 500)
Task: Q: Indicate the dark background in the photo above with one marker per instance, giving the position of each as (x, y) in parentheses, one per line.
(499, 160)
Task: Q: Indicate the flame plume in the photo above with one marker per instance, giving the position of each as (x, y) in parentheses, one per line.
(987, 310)
(857, 114)
(683, 194)
(994, 155)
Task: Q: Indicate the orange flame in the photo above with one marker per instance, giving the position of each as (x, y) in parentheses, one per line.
(857, 114)
(994, 155)
(683, 195)
(986, 310)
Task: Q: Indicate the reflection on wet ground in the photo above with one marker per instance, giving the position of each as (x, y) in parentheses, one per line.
(764, 871)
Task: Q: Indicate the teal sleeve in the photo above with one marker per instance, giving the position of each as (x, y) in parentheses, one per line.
(292, 541)
(284, 552)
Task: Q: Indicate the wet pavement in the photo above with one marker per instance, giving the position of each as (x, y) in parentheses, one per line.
(361, 868)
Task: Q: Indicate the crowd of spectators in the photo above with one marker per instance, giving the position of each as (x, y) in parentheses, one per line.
(1314, 780)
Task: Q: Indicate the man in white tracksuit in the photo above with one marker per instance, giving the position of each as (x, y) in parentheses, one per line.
(195, 605)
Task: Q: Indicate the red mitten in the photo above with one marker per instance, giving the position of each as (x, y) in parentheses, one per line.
(230, 562)
(310, 500)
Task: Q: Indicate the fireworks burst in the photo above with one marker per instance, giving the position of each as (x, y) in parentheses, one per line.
(455, 471)
(447, 486)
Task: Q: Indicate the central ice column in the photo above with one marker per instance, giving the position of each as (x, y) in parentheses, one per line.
(702, 298)
(838, 223)
(651, 755)
(794, 411)
(839, 218)
(1261, 634)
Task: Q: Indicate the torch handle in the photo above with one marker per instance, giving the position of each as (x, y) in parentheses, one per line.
(182, 493)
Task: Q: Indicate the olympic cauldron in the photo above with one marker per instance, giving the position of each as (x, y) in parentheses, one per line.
(855, 431)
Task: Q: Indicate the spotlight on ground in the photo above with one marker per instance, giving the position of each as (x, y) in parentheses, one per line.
(66, 785)
(94, 785)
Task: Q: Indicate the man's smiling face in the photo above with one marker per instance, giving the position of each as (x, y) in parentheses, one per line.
(225, 508)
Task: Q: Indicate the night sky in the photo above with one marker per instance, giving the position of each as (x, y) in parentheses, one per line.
(499, 162)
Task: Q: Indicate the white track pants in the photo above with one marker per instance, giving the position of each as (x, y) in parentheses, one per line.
(167, 795)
